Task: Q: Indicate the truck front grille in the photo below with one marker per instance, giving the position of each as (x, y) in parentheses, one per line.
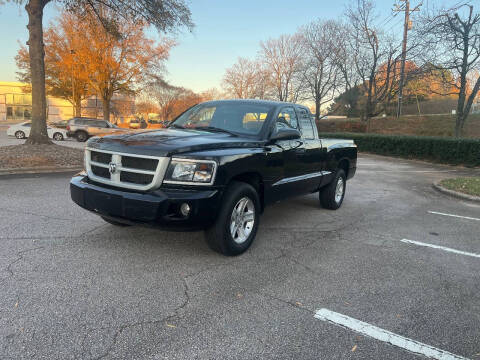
(100, 171)
(103, 158)
(139, 163)
(138, 172)
(135, 178)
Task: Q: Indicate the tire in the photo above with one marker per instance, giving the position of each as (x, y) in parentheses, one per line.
(332, 195)
(238, 196)
(58, 136)
(81, 136)
(113, 222)
(20, 134)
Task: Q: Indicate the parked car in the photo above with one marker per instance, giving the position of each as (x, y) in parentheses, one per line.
(216, 167)
(61, 124)
(134, 124)
(83, 128)
(157, 124)
(22, 131)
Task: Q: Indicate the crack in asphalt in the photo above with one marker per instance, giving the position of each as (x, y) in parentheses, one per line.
(185, 302)
(295, 305)
(19, 257)
(188, 298)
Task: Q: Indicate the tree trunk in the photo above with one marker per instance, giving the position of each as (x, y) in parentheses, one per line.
(38, 132)
(78, 106)
(458, 127)
(317, 110)
(460, 113)
(106, 109)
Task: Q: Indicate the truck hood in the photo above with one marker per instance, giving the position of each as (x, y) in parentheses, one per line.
(168, 142)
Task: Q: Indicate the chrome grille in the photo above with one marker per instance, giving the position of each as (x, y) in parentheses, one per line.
(100, 171)
(101, 157)
(139, 172)
(139, 163)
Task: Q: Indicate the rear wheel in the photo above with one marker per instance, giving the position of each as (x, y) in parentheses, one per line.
(237, 222)
(81, 136)
(113, 222)
(332, 195)
(20, 134)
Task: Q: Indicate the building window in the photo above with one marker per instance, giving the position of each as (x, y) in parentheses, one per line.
(19, 107)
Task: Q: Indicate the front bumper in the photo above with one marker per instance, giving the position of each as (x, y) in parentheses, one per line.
(158, 208)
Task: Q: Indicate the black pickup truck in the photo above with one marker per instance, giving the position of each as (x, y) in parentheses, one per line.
(216, 167)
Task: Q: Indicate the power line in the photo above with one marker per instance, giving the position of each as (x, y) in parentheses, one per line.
(387, 20)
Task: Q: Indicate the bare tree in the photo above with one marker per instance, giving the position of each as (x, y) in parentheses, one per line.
(320, 70)
(242, 79)
(173, 100)
(451, 41)
(282, 59)
(163, 14)
(374, 56)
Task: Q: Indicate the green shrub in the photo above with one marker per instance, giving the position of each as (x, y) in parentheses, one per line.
(439, 149)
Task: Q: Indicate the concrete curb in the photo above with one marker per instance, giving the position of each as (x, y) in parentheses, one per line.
(40, 170)
(456, 194)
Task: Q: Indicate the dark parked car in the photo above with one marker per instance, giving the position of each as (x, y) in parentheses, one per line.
(83, 128)
(216, 167)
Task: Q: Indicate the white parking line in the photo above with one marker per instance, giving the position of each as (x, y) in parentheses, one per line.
(384, 335)
(440, 248)
(452, 215)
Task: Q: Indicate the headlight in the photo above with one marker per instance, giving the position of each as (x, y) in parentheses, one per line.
(186, 171)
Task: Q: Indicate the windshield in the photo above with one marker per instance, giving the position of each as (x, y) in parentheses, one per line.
(237, 118)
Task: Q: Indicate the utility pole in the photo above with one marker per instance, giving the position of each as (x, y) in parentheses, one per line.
(406, 26)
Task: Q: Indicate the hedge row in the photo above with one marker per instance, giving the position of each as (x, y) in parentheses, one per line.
(439, 149)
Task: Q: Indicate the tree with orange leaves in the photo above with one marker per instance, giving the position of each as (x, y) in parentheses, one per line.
(65, 76)
(80, 51)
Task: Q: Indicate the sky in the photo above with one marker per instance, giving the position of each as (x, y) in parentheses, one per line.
(224, 30)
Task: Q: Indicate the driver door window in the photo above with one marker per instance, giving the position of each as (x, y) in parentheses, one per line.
(287, 119)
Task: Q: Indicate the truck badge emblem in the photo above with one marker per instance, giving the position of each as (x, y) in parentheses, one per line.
(112, 167)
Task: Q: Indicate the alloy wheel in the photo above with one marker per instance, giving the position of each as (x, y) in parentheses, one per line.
(242, 220)
(339, 190)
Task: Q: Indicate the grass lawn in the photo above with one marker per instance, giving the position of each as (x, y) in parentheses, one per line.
(425, 125)
(470, 185)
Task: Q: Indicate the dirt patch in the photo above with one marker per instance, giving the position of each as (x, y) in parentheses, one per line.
(28, 156)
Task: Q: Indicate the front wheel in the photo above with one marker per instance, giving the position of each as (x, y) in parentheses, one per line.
(20, 134)
(332, 195)
(236, 225)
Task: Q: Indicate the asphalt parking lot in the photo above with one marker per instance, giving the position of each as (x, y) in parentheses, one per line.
(316, 284)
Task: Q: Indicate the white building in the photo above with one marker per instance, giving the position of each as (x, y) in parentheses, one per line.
(16, 105)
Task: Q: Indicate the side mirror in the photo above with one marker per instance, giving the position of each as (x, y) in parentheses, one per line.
(286, 134)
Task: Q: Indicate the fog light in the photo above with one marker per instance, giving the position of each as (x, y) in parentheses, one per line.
(185, 209)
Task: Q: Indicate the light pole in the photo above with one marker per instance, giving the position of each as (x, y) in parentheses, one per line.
(72, 53)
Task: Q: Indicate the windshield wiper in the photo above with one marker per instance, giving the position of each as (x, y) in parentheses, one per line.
(215, 129)
(176, 126)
